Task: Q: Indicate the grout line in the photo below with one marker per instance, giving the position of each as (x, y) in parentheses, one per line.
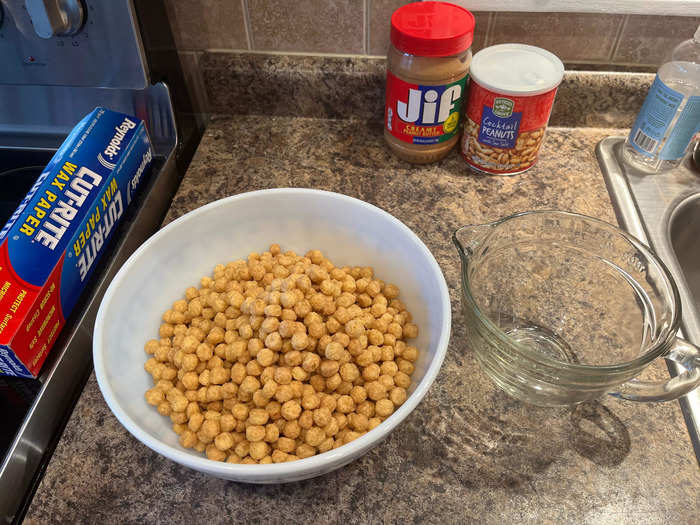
(652, 67)
(365, 24)
(489, 28)
(595, 62)
(618, 38)
(288, 53)
(246, 23)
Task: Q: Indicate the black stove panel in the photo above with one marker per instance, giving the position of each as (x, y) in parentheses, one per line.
(19, 169)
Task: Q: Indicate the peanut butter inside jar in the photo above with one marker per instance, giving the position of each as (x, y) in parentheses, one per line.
(427, 67)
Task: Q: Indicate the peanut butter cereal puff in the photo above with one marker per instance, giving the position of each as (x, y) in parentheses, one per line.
(281, 356)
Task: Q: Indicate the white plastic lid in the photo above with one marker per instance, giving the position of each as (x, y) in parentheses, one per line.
(516, 69)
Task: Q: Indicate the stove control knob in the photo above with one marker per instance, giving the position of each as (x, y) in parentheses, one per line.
(56, 17)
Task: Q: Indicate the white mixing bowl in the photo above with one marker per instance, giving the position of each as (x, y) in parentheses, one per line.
(348, 231)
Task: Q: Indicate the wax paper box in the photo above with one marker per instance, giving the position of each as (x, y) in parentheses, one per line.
(54, 240)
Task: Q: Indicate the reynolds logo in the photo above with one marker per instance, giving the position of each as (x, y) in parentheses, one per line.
(105, 163)
(112, 149)
(145, 161)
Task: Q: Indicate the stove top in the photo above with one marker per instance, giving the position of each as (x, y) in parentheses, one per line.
(40, 102)
(16, 398)
(34, 411)
(19, 168)
(18, 171)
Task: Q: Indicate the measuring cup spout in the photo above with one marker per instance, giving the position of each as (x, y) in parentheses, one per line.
(467, 239)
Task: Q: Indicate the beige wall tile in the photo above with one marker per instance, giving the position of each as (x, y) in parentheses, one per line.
(570, 36)
(480, 28)
(649, 39)
(208, 24)
(313, 26)
(380, 23)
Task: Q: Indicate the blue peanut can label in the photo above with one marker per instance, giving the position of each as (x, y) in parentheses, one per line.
(53, 241)
(499, 124)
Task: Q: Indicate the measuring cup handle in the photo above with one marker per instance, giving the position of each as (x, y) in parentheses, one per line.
(683, 353)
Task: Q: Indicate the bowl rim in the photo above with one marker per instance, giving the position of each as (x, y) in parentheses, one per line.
(320, 463)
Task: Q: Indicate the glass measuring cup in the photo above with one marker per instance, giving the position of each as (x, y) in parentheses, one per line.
(561, 308)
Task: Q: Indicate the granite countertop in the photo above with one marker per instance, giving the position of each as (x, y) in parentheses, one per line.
(468, 453)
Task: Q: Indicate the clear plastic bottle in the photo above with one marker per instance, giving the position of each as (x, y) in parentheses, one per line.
(670, 116)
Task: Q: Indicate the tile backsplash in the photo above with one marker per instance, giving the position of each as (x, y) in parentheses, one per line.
(573, 37)
(361, 27)
(208, 24)
(306, 26)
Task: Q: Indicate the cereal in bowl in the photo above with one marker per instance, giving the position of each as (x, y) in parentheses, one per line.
(280, 357)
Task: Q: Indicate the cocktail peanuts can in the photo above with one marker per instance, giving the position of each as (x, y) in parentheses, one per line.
(511, 93)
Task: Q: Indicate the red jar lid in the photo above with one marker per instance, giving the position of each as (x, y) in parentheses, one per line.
(432, 29)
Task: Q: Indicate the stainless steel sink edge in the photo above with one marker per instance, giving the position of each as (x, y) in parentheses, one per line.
(644, 206)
